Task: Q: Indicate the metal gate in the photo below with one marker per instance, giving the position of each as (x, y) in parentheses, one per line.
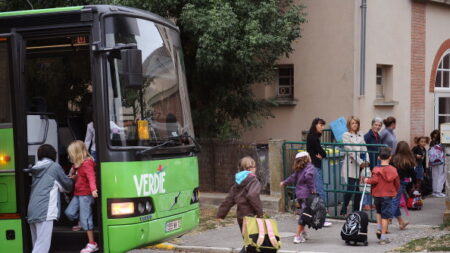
(337, 187)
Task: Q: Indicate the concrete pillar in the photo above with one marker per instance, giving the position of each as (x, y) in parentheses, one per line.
(276, 171)
(447, 185)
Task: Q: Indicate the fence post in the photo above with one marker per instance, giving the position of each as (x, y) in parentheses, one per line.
(447, 186)
(276, 170)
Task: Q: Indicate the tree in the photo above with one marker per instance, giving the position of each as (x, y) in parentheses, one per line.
(228, 45)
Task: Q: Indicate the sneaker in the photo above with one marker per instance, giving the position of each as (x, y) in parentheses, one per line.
(305, 235)
(439, 195)
(378, 234)
(327, 224)
(442, 195)
(299, 239)
(385, 241)
(90, 247)
(76, 228)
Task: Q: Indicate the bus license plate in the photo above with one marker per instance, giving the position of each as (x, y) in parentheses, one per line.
(173, 225)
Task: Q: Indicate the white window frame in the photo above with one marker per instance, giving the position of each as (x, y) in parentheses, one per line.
(440, 91)
(443, 71)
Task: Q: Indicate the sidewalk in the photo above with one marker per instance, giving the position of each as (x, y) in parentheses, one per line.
(228, 239)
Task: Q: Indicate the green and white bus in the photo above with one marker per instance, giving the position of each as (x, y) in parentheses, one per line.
(122, 69)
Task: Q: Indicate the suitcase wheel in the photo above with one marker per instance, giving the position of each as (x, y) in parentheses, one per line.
(347, 242)
(366, 243)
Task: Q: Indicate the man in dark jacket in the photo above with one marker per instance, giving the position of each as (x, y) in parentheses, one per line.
(373, 137)
(44, 207)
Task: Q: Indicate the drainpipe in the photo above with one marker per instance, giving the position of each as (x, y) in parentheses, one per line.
(362, 72)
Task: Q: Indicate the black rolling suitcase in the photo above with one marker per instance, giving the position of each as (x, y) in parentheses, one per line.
(354, 230)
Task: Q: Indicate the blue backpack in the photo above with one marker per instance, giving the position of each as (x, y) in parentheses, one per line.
(436, 155)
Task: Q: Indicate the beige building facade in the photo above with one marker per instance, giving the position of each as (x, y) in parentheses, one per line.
(407, 46)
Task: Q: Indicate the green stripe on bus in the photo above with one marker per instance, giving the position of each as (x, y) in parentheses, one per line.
(40, 11)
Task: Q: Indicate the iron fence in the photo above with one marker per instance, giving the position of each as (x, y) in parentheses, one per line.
(336, 170)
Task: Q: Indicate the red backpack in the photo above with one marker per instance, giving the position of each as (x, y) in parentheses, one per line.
(415, 202)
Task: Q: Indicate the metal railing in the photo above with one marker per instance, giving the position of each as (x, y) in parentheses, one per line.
(335, 171)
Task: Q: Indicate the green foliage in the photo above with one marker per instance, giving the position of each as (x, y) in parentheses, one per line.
(229, 45)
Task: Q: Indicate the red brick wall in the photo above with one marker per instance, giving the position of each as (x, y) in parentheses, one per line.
(437, 58)
(418, 24)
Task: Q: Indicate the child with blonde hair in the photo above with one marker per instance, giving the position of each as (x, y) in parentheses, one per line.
(244, 193)
(303, 179)
(80, 207)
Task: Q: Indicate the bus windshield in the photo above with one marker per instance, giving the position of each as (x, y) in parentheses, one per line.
(158, 110)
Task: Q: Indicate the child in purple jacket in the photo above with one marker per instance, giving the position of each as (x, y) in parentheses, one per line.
(303, 178)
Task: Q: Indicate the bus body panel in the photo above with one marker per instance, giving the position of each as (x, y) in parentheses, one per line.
(8, 203)
(126, 237)
(170, 183)
(11, 244)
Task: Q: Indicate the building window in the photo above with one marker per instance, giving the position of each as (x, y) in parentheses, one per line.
(380, 82)
(384, 83)
(285, 87)
(443, 72)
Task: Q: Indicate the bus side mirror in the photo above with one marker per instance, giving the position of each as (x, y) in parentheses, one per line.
(132, 68)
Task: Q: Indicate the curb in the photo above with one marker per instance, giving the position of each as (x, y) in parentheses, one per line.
(202, 249)
(163, 246)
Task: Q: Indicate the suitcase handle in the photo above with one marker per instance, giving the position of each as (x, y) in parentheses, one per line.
(362, 198)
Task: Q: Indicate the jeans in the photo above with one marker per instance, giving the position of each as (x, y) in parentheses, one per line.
(318, 181)
(367, 199)
(396, 201)
(352, 185)
(80, 207)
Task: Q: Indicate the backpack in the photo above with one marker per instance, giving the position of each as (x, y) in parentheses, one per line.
(415, 202)
(355, 228)
(260, 235)
(436, 155)
(315, 212)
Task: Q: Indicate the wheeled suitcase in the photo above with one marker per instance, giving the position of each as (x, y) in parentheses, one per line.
(354, 231)
(415, 202)
(260, 235)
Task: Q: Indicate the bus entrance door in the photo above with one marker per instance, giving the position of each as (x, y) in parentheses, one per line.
(11, 224)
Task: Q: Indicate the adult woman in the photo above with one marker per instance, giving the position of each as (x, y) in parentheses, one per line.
(317, 153)
(436, 160)
(387, 135)
(355, 160)
(372, 137)
(405, 162)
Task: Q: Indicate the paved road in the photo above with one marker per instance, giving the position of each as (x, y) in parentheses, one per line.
(423, 223)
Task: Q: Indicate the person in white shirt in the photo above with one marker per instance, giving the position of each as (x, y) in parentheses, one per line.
(89, 141)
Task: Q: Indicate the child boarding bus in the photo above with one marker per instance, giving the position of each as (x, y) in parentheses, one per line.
(122, 69)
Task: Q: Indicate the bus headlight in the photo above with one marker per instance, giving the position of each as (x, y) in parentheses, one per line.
(148, 206)
(129, 207)
(141, 208)
(122, 208)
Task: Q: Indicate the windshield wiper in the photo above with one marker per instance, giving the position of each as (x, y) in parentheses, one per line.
(154, 148)
(185, 136)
